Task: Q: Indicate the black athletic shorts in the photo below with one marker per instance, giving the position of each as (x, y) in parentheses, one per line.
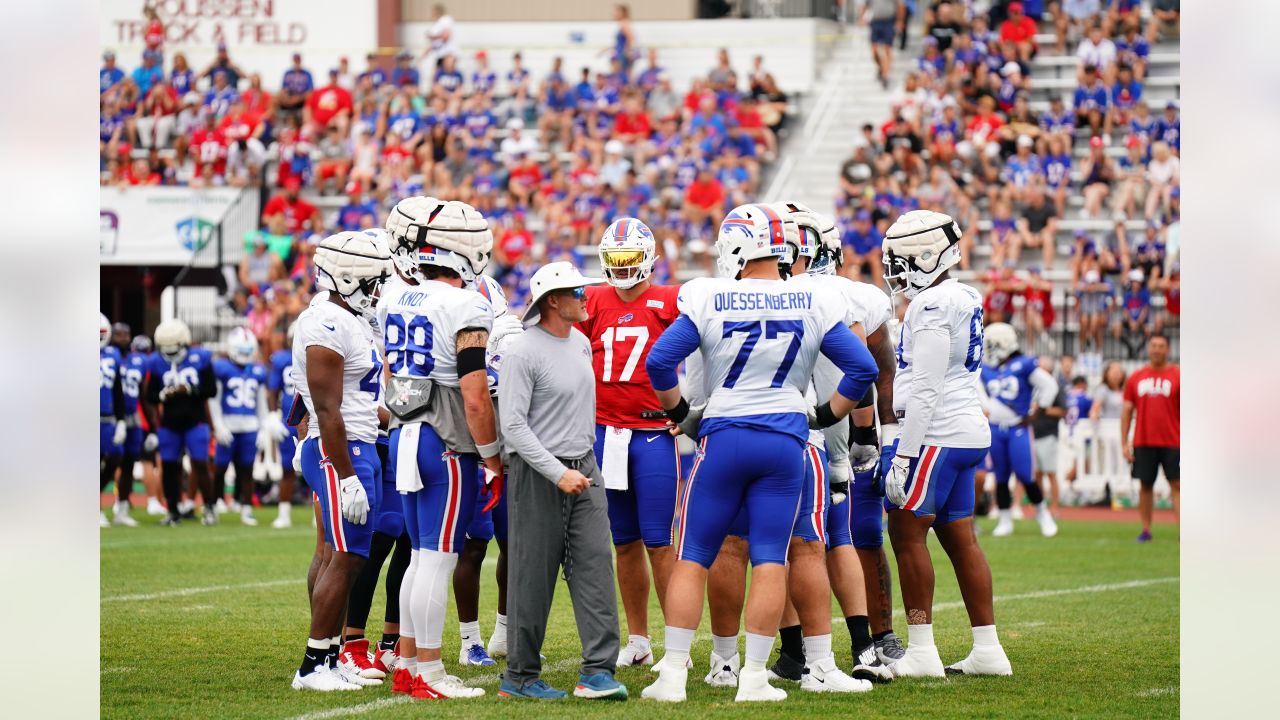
(1148, 460)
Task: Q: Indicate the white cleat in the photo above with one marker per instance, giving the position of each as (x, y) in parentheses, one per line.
(155, 508)
(920, 661)
(669, 687)
(350, 672)
(322, 680)
(1004, 528)
(1048, 527)
(657, 667)
(497, 647)
(753, 686)
(724, 672)
(222, 508)
(103, 522)
(282, 522)
(186, 507)
(122, 516)
(246, 516)
(984, 660)
(634, 653)
(451, 686)
(826, 676)
(1016, 512)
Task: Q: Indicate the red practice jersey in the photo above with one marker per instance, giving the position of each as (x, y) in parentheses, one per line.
(621, 335)
(1157, 396)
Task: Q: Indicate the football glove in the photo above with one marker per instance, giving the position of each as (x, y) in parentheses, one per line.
(692, 422)
(839, 475)
(117, 438)
(863, 457)
(895, 480)
(297, 458)
(502, 327)
(275, 426)
(494, 485)
(222, 434)
(264, 441)
(150, 443)
(353, 500)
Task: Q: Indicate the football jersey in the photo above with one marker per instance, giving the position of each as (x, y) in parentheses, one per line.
(133, 372)
(621, 334)
(957, 419)
(281, 380)
(195, 371)
(329, 326)
(1014, 387)
(109, 369)
(239, 387)
(759, 341)
(421, 325)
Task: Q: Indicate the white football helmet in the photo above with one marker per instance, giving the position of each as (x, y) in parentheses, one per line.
(920, 246)
(627, 253)
(104, 330)
(402, 244)
(750, 232)
(452, 235)
(999, 341)
(242, 346)
(173, 337)
(353, 265)
(492, 290)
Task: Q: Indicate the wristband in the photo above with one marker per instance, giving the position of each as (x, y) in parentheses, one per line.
(863, 435)
(679, 412)
(488, 450)
(889, 433)
(825, 417)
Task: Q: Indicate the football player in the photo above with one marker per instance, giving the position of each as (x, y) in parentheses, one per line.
(112, 428)
(132, 371)
(143, 438)
(339, 379)
(436, 335)
(759, 340)
(1015, 393)
(929, 483)
(281, 390)
(180, 382)
(238, 414)
(636, 452)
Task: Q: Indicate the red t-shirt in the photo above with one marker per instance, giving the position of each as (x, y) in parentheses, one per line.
(1038, 301)
(295, 213)
(1155, 395)
(705, 195)
(239, 126)
(986, 127)
(210, 147)
(1023, 30)
(621, 335)
(637, 124)
(327, 102)
(153, 36)
(515, 244)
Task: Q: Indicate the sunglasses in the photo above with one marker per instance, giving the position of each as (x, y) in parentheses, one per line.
(578, 293)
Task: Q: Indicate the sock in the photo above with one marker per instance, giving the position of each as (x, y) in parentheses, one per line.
(726, 646)
(1006, 514)
(470, 633)
(316, 655)
(409, 663)
(352, 637)
(335, 647)
(1034, 494)
(817, 647)
(1004, 496)
(985, 636)
(285, 507)
(792, 642)
(499, 629)
(758, 649)
(921, 635)
(859, 632)
(640, 641)
(677, 642)
(431, 670)
(388, 641)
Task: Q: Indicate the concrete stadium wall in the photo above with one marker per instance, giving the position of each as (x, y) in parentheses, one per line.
(516, 10)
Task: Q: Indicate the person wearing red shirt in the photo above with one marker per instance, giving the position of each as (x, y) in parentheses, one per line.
(1154, 392)
(208, 147)
(298, 213)
(524, 177)
(636, 452)
(515, 243)
(1020, 30)
(255, 98)
(632, 124)
(330, 104)
(1037, 305)
(704, 199)
(153, 35)
(157, 115)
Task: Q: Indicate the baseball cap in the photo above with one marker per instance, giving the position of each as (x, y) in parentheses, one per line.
(1095, 141)
(1025, 141)
(515, 123)
(1135, 275)
(109, 55)
(862, 215)
(1172, 105)
(1081, 233)
(292, 182)
(613, 147)
(1015, 7)
(1010, 68)
(930, 41)
(549, 278)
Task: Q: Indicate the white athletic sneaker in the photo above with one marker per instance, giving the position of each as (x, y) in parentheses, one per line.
(1016, 511)
(920, 661)
(186, 506)
(1004, 528)
(282, 522)
(221, 507)
(122, 516)
(451, 686)
(635, 653)
(246, 516)
(826, 676)
(724, 672)
(984, 660)
(868, 666)
(349, 672)
(497, 647)
(657, 667)
(753, 686)
(1048, 527)
(322, 680)
(155, 508)
(670, 685)
(103, 522)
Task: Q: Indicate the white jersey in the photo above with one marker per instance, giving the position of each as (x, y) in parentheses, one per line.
(391, 290)
(759, 341)
(936, 397)
(332, 327)
(420, 328)
(871, 306)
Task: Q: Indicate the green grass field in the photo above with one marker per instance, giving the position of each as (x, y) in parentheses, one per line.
(210, 622)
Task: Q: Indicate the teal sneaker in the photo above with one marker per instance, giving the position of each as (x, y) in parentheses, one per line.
(600, 686)
(537, 690)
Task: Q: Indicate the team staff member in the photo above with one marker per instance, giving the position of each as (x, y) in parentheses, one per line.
(1155, 392)
(557, 511)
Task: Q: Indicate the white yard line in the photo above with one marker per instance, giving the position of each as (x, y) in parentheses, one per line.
(1156, 692)
(184, 592)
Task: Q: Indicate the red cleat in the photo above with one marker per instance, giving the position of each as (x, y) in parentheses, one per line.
(356, 655)
(385, 660)
(402, 681)
(423, 691)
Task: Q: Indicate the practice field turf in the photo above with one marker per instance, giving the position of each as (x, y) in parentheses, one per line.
(210, 622)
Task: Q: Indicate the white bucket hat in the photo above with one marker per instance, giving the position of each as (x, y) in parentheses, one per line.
(550, 277)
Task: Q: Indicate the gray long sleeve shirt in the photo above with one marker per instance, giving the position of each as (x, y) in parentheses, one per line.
(548, 400)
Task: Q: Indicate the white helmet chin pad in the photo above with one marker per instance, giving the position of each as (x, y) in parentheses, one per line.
(919, 247)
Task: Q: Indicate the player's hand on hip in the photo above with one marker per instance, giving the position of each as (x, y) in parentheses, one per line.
(573, 482)
(353, 500)
(692, 423)
(117, 438)
(895, 480)
(863, 457)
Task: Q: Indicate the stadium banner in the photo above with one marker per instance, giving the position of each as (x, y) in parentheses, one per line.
(167, 226)
(261, 35)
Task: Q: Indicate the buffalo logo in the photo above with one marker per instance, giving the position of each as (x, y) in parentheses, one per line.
(627, 318)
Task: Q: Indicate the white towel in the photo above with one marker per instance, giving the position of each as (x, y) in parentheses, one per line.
(407, 478)
(617, 442)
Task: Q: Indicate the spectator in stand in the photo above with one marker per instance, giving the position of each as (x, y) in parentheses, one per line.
(886, 18)
(1165, 20)
(208, 149)
(1057, 172)
(1094, 298)
(260, 268)
(156, 115)
(295, 87)
(704, 200)
(1001, 285)
(447, 81)
(1099, 174)
(1126, 93)
(1037, 227)
(149, 73)
(1155, 393)
(860, 244)
(1004, 233)
(358, 213)
(1149, 255)
(1091, 101)
(279, 242)
(404, 74)
(1070, 17)
(1171, 287)
(1038, 313)
(373, 71)
(109, 75)
(153, 31)
(1133, 49)
(440, 41)
(1020, 30)
(329, 105)
(1163, 174)
(944, 28)
(1096, 50)
(1135, 324)
(1169, 127)
(299, 215)
(221, 95)
(181, 77)
(1132, 178)
(222, 63)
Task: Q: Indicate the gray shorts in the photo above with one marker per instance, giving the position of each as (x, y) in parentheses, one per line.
(1047, 454)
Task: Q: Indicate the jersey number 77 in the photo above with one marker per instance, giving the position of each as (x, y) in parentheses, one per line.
(771, 329)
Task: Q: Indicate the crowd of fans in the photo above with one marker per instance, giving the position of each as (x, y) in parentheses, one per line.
(962, 138)
(550, 156)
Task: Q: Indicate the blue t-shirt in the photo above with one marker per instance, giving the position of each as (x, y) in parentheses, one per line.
(297, 82)
(1091, 98)
(183, 81)
(448, 80)
(240, 385)
(107, 78)
(1057, 170)
(405, 124)
(351, 217)
(400, 77)
(145, 77)
(1136, 301)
